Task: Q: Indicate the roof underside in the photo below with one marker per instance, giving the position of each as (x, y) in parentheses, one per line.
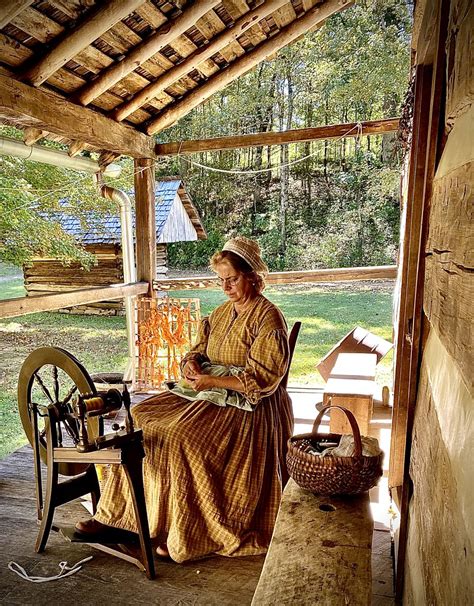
(140, 64)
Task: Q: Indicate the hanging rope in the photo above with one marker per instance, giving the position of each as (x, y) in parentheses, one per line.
(64, 571)
(357, 126)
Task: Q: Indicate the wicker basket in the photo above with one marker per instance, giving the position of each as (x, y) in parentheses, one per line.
(332, 475)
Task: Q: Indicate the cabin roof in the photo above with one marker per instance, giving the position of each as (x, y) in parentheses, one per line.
(107, 230)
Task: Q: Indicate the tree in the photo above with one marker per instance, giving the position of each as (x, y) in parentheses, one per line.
(31, 196)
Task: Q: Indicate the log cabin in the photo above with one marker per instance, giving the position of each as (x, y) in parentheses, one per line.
(108, 76)
(177, 220)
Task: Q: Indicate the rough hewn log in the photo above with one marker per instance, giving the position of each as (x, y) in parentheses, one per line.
(30, 305)
(31, 135)
(145, 225)
(55, 114)
(319, 553)
(9, 9)
(246, 63)
(75, 148)
(332, 131)
(146, 49)
(449, 288)
(198, 56)
(344, 274)
(103, 19)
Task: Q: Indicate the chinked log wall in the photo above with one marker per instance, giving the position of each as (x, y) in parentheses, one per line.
(440, 547)
(46, 276)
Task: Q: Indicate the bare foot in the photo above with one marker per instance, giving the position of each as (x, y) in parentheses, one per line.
(91, 526)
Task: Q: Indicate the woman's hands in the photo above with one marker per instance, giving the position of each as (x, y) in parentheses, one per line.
(200, 382)
(191, 368)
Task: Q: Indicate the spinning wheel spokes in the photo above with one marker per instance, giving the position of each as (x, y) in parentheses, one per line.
(50, 377)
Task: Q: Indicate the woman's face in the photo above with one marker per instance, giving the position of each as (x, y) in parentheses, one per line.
(234, 283)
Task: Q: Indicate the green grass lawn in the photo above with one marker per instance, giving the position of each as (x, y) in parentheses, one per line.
(100, 343)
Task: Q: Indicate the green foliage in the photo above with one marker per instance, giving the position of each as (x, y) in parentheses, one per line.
(196, 255)
(31, 196)
(335, 206)
(339, 206)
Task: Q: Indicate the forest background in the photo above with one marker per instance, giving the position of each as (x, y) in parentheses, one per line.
(318, 204)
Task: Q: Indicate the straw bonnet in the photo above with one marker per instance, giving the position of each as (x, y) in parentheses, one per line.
(249, 251)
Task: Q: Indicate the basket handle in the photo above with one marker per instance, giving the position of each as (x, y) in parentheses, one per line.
(352, 421)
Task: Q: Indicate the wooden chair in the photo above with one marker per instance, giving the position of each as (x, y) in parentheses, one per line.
(292, 338)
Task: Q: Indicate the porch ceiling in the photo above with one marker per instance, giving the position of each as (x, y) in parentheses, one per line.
(105, 76)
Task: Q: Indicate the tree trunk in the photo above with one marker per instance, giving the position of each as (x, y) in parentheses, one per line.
(285, 170)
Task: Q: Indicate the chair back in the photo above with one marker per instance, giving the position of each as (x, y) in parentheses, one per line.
(291, 343)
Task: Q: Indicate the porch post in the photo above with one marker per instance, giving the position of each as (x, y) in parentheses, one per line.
(145, 227)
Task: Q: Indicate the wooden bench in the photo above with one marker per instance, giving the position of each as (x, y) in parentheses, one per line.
(320, 552)
(351, 384)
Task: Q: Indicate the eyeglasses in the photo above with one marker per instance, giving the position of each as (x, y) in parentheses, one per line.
(231, 281)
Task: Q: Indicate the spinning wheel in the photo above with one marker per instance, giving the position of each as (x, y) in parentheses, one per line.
(53, 377)
(61, 412)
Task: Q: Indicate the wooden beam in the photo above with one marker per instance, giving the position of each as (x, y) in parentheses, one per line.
(342, 274)
(75, 148)
(9, 9)
(241, 66)
(106, 16)
(29, 305)
(426, 146)
(48, 111)
(146, 49)
(145, 225)
(333, 131)
(198, 56)
(31, 135)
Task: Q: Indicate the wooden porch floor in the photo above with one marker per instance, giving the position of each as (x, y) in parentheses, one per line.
(217, 580)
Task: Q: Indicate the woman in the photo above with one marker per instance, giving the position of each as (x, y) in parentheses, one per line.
(213, 474)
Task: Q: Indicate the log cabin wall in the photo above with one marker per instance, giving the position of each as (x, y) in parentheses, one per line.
(46, 276)
(439, 548)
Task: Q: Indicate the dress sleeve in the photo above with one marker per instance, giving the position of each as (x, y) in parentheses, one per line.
(267, 361)
(199, 349)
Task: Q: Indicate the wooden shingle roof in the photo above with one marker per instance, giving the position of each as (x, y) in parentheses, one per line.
(105, 75)
(107, 230)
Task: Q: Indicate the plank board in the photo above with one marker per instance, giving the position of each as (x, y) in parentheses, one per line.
(316, 556)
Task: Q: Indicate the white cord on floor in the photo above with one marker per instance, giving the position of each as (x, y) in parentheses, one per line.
(64, 571)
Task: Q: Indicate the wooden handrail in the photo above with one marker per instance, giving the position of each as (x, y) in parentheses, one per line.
(341, 274)
(29, 305)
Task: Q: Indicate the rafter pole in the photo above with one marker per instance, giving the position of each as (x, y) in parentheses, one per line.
(9, 9)
(299, 135)
(241, 66)
(144, 50)
(48, 111)
(198, 56)
(75, 148)
(31, 135)
(84, 34)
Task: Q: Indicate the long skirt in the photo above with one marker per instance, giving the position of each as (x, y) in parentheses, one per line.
(213, 475)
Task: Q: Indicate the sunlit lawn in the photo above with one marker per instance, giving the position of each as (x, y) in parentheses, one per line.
(327, 314)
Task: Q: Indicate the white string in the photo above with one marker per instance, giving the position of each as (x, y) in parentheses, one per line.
(358, 126)
(64, 571)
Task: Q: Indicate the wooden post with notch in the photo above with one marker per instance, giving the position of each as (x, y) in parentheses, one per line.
(145, 225)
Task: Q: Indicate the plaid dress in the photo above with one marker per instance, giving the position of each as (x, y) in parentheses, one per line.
(213, 475)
